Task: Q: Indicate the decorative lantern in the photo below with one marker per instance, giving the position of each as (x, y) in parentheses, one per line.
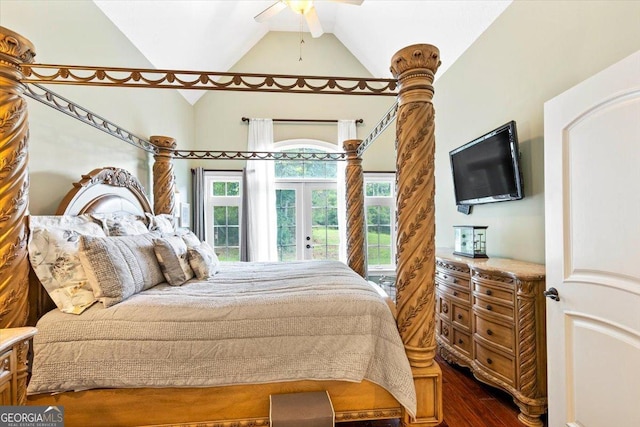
(470, 241)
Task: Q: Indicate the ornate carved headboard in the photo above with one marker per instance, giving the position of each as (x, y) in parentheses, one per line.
(105, 190)
(102, 190)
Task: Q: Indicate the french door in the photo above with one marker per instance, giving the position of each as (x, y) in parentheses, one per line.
(307, 221)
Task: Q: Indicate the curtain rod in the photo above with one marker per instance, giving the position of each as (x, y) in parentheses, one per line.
(358, 121)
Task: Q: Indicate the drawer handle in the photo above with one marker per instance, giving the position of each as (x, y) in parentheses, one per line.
(459, 316)
(489, 332)
(460, 341)
(454, 280)
(489, 361)
(445, 331)
(489, 307)
(489, 292)
(455, 294)
(445, 308)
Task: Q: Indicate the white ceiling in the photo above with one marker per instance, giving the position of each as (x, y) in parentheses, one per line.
(212, 35)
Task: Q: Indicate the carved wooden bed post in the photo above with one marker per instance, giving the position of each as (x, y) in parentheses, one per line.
(354, 181)
(414, 67)
(14, 180)
(164, 181)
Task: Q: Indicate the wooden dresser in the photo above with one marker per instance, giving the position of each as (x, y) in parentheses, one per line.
(490, 317)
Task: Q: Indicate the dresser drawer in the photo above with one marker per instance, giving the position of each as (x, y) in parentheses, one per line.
(495, 364)
(495, 332)
(486, 289)
(490, 306)
(461, 316)
(452, 268)
(443, 306)
(462, 341)
(455, 279)
(462, 294)
(443, 329)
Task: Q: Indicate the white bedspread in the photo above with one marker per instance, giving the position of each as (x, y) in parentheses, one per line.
(251, 323)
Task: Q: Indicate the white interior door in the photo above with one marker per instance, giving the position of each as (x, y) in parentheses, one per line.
(592, 203)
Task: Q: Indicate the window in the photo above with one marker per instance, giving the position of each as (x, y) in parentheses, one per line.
(223, 213)
(379, 204)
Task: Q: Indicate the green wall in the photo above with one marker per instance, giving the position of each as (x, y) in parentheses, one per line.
(62, 148)
(534, 51)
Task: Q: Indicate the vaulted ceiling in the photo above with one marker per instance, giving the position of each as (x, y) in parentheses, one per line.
(212, 35)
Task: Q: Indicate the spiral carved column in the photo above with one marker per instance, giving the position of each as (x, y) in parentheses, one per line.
(356, 245)
(14, 180)
(164, 181)
(414, 67)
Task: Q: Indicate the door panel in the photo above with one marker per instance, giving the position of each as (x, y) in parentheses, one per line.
(324, 221)
(592, 200)
(287, 214)
(307, 221)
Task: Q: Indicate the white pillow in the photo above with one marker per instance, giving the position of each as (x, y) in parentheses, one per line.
(163, 223)
(120, 266)
(203, 261)
(171, 252)
(54, 244)
(121, 223)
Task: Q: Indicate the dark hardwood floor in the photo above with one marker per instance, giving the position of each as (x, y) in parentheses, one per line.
(466, 403)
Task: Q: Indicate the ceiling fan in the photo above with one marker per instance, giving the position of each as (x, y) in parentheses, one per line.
(302, 7)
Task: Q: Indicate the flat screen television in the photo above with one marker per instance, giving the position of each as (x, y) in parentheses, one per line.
(487, 169)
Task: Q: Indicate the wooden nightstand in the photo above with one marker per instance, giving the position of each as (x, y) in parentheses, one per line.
(14, 346)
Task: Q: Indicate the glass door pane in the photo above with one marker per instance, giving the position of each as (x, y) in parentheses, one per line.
(286, 214)
(325, 238)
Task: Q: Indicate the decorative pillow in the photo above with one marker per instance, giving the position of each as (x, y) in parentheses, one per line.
(54, 244)
(203, 260)
(164, 223)
(190, 239)
(121, 223)
(171, 252)
(119, 267)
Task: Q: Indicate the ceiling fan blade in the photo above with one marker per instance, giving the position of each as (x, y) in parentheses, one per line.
(353, 2)
(313, 22)
(272, 10)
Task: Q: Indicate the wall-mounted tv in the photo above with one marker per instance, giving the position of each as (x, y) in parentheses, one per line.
(487, 169)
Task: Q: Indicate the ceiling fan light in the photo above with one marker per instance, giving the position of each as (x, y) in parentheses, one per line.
(300, 6)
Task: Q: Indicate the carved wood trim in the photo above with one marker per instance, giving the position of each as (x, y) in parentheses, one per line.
(164, 180)
(115, 177)
(344, 416)
(204, 80)
(414, 67)
(354, 179)
(15, 51)
(451, 266)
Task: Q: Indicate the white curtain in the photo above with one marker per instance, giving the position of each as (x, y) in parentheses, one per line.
(261, 195)
(346, 130)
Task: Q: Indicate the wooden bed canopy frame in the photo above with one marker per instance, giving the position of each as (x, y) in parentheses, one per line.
(413, 68)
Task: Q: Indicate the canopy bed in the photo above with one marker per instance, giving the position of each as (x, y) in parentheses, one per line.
(22, 303)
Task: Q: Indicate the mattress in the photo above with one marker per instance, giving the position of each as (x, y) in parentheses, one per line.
(251, 323)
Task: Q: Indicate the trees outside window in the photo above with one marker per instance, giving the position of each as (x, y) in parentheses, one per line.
(223, 213)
